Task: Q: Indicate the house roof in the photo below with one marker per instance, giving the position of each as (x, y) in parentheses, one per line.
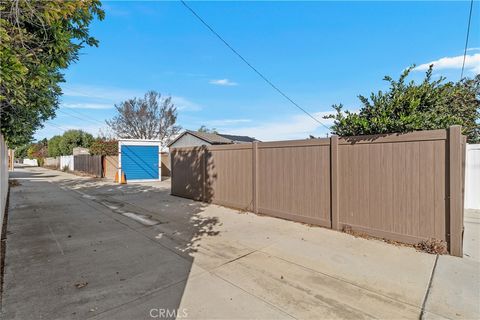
(216, 138)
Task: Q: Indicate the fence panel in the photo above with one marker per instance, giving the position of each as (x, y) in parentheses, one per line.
(229, 176)
(404, 187)
(394, 188)
(66, 163)
(30, 162)
(52, 162)
(88, 164)
(165, 164)
(472, 179)
(188, 167)
(294, 180)
(110, 166)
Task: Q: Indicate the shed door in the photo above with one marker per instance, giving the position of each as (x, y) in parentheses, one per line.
(140, 162)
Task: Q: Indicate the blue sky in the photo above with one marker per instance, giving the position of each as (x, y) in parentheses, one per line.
(319, 53)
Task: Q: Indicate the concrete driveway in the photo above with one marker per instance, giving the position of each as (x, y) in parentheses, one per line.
(80, 248)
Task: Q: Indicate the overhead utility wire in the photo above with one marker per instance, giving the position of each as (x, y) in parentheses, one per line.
(82, 116)
(250, 65)
(466, 41)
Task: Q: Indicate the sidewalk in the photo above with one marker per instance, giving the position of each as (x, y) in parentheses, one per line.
(81, 248)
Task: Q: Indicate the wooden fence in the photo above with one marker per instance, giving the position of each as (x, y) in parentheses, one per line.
(88, 164)
(403, 187)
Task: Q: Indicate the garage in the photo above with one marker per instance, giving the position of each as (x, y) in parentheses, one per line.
(139, 160)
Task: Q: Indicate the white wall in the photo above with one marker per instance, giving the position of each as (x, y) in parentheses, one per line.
(3, 179)
(472, 177)
(66, 161)
(30, 162)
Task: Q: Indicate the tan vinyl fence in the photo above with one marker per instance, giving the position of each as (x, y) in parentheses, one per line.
(110, 166)
(165, 164)
(403, 187)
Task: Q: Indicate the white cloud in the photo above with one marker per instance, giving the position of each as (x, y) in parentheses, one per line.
(87, 105)
(472, 63)
(299, 126)
(106, 97)
(223, 82)
(183, 104)
(110, 94)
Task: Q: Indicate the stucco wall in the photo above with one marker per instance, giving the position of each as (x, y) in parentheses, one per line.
(3, 179)
(52, 162)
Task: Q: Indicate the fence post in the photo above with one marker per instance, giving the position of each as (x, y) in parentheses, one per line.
(334, 182)
(203, 157)
(455, 209)
(255, 176)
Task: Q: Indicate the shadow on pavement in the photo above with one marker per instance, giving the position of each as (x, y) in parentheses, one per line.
(73, 253)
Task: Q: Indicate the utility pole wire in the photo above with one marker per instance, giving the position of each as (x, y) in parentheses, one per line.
(466, 41)
(81, 116)
(250, 65)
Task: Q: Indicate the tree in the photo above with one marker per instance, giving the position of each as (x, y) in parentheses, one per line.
(104, 147)
(54, 146)
(151, 117)
(22, 151)
(38, 151)
(204, 129)
(38, 40)
(72, 139)
(410, 106)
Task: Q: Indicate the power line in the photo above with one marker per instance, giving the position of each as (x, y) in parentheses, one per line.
(466, 41)
(56, 126)
(250, 65)
(83, 117)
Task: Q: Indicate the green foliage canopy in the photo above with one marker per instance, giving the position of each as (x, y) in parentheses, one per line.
(54, 146)
(205, 129)
(72, 139)
(38, 40)
(104, 147)
(404, 107)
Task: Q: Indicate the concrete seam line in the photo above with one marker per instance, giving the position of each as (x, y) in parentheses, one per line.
(55, 238)
(424, 303)
(343, 280)
(146, 294)
(240, 257)
(253, 295)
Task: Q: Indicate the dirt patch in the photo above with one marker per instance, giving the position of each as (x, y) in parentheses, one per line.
(13, 183)
(432, 246)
